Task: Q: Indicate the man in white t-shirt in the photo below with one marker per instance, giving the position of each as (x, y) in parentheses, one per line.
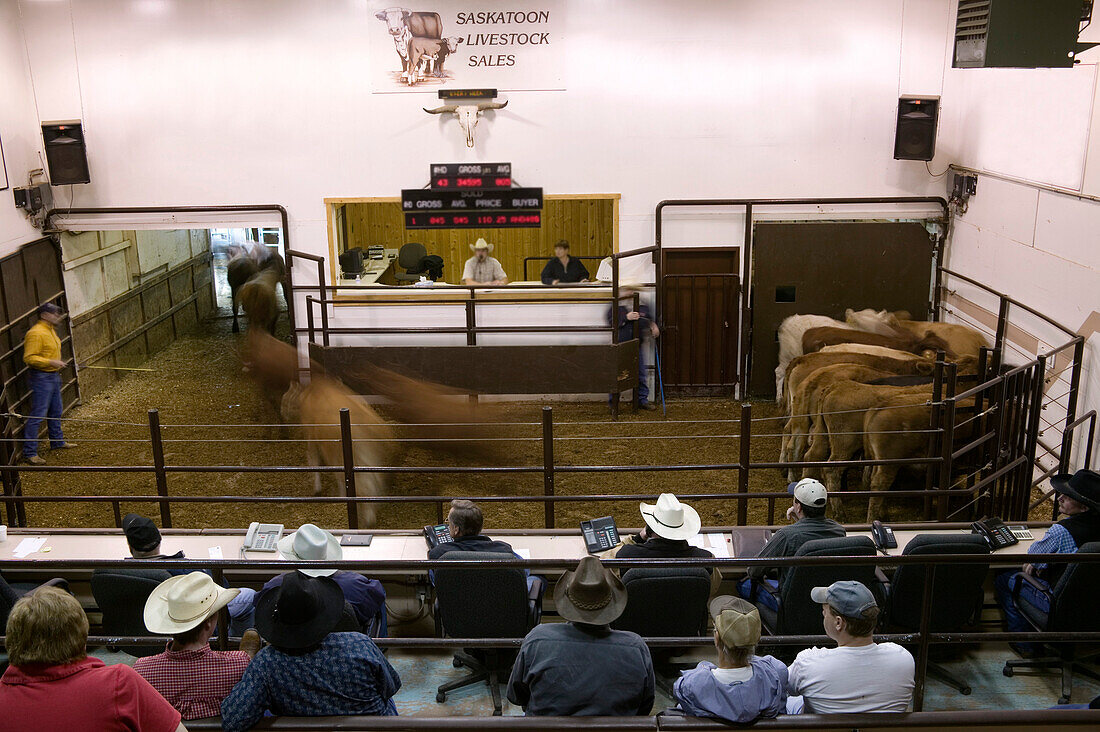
(858, 675)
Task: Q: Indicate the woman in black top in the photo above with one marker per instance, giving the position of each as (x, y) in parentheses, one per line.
(563, 268)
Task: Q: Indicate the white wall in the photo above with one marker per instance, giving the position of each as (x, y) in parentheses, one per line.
(18, 128)
(249, 101)
(1039, 127)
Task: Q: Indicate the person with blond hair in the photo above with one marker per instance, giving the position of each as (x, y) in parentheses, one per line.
(52, 681)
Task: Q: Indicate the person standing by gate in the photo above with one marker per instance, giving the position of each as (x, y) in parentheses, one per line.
(42, 354)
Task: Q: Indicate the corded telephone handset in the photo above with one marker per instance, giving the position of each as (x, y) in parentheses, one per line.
(994, 531)
(883, 536)
(262, 537)
(436, 535)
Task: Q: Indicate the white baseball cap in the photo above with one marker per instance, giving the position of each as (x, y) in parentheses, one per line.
(809, 492)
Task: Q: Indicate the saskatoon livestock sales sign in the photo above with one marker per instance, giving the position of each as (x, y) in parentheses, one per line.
(442, 44)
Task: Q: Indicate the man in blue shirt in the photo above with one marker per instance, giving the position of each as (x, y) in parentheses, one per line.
(309, 671)
(1078, 499)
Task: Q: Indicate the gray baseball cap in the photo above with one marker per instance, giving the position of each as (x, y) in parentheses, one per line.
(847, 597)
(809, 492)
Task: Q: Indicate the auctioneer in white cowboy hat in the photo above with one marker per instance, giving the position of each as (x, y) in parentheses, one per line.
(311, 542)
(671, 519)
(481, 244)
(181, 603)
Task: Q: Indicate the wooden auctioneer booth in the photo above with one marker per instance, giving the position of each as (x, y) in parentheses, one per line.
(521, 338)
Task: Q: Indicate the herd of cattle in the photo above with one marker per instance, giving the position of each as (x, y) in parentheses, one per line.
(253, 272)
(863, 386)
(417, 36)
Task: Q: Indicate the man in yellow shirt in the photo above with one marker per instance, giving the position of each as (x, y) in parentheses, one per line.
(42, 354)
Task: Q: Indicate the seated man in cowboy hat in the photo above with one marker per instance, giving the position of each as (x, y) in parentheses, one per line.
(192, 676)
(1078, 498)
(367, 597)
(669, 525)
(743, 686)
(481, 269)
(583, 668)
(309, 670)
(143, 538)
(808, 513)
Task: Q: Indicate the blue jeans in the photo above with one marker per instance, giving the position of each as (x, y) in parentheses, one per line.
(45, 402)
(1015, 622)
(765, 598)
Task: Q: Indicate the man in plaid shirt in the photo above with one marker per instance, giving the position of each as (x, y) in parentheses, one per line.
(192, 676)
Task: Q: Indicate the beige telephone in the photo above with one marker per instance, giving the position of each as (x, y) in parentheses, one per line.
(262, 537)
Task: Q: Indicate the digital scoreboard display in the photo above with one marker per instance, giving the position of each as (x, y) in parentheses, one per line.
(471, 196)
(516, 199)
(474, 220)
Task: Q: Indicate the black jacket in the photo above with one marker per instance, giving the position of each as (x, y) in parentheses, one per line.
(574, 272)
(479, 543)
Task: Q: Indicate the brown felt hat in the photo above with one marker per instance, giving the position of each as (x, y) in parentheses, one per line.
(592, 594)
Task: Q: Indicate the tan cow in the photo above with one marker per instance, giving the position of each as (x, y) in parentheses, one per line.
(870, 350)
(808, 391)
(960, 339)
(317, 406)
(815, 338)
(890, 431)
(838, 427)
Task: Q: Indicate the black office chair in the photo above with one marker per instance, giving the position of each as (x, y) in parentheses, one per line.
(665, 602)
(483, 603)
(408, 260)
(1074, 599)
(798, 614)
(121, 595)
(10, 594)
(956, 594)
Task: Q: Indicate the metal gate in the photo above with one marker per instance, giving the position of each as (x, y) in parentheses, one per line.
(699, 341)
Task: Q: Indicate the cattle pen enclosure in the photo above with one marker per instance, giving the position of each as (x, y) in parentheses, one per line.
(213, 452)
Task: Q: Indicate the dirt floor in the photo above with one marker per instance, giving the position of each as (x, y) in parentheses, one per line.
(199, 381)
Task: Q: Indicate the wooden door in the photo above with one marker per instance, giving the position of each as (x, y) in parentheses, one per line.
(700, 296)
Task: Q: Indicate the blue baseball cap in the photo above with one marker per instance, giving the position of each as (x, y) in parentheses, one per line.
(847, 597)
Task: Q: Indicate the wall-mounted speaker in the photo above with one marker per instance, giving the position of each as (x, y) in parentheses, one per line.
(915, 138)
(65, 152)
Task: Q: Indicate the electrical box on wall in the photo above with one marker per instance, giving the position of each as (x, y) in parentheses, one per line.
(32, 199)
(1018, 33)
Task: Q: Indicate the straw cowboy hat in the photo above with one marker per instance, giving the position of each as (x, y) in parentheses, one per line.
(671, 519)
(301, 612)
(1083, 487)
(181, 603)
(592, 594)
(481, 244)
(310, 543)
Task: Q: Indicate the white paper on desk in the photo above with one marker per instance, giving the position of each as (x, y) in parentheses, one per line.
(28, 546)
(720, 550)
(716, 540)
(698, 540)
(524, 553)
(215, 552)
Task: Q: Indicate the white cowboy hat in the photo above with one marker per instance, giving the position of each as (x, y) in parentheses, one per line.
(671, 519)
(308, 543)
(181, 603)
(481, 244)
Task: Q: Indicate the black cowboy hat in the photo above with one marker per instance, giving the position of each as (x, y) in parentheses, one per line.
(1083, 487)
(301, 612)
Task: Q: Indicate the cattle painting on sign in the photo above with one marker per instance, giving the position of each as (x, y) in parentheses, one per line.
(423, 48)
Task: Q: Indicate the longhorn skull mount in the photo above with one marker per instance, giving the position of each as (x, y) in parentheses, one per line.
(467, 114)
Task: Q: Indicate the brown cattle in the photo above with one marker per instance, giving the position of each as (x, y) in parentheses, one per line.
(891, 431)
(838, 427)
(815, 338)
(870, 350)
(258, 298)
(960, 339)
(240, 270)
(317, 406)
(802, 366)
(808, 391)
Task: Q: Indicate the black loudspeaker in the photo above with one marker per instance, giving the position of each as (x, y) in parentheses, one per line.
(915, 138)
(65, 152)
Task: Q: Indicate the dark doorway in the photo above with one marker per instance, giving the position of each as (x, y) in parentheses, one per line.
(700, 291)
(825, 268)
(29, 277)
